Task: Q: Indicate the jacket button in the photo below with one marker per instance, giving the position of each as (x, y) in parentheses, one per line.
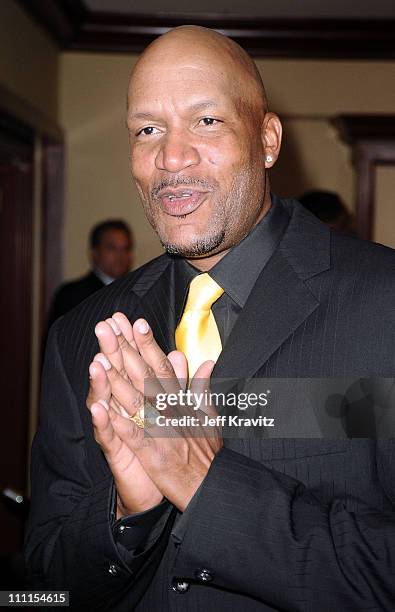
(113, 569)
(204, 575)
(180, 587)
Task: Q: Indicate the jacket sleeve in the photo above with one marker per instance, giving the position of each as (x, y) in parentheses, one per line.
(69, 542)
(262, 533)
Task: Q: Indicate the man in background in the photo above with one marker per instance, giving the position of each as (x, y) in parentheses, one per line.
(111, 254)
(329, 208)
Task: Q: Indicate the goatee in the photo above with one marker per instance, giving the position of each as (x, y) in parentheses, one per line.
(202, 246)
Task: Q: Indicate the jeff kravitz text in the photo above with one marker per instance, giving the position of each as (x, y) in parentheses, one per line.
(217, 421)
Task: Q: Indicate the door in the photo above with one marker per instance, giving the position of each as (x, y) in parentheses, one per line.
(16, 218)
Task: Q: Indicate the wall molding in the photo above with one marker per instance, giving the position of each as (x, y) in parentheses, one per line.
(16, 107)
(74, 27)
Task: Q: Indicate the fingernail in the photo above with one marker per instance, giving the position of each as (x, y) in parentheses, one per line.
(114, 326)
(143, 327)
(98, 328)
(104, 361)
(104, 403)
(118, 315)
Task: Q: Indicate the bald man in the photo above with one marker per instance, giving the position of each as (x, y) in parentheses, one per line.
(131, 521)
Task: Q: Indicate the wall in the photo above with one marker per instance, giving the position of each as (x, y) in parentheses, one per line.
(28, 60)
(306, 94)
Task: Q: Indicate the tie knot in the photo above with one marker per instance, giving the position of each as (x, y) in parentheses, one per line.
(203, 292)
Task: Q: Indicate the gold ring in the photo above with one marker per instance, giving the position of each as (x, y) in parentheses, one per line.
(138, 420)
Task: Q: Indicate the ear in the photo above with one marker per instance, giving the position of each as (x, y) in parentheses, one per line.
(271, 138)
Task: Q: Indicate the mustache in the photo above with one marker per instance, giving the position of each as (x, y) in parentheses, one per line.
(186, 181)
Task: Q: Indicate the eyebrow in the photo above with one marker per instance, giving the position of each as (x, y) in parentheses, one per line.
(140, 116)
(194, 108)
(202, 105)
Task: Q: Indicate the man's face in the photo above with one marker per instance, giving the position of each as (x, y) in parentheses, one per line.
(113, 255)
(196, 155)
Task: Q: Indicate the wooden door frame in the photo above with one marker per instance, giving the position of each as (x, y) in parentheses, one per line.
(49, 144)
(18, 116)
(372, 139)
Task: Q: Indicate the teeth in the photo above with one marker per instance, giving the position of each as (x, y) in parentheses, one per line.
(186, 194)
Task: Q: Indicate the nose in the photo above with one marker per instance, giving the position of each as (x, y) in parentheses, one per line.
(176, 153)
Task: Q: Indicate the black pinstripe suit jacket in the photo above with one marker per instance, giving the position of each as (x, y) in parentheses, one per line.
(280, 524)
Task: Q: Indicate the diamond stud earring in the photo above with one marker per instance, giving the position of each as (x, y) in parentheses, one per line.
(269, 159)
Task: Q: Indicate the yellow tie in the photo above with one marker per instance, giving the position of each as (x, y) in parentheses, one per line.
(197, 333)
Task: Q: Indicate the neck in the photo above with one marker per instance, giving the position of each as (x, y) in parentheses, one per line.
(204, 264)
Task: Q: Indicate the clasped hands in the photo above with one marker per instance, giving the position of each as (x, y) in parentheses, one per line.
(146, 467)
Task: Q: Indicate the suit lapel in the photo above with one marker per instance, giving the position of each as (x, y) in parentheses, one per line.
(278, 304)
(280, 300)
(155, 288)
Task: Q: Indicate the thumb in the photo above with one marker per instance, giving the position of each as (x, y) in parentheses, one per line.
(200, 384)
(180, 366)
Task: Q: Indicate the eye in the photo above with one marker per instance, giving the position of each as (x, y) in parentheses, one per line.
(209, 121)
(147, 131)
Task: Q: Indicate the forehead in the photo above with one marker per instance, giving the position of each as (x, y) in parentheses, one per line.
(159, 83)
(114, 235)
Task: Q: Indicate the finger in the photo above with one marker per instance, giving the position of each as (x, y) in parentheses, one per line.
(118, 350)
(147, 379)
(102, 426)
(109, 344)
(115, 405)
(158, 363)
(200, 386)
(127, 431)
(126, 328)
(203, 373)
(137, 371)
(117, 454)
(99, 386)
(123, 391)
(180, 367)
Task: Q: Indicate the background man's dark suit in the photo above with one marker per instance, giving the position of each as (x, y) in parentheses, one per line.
(280, 524)
(69, 295)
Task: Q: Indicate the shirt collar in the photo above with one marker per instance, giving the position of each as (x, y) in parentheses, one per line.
(105, 279)
(238, 271)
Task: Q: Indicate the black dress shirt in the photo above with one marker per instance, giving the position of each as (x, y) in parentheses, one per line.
(236, 273)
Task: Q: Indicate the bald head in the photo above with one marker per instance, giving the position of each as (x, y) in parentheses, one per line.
(204, 47)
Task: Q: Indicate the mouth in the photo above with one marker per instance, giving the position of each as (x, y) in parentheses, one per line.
(181, 202)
